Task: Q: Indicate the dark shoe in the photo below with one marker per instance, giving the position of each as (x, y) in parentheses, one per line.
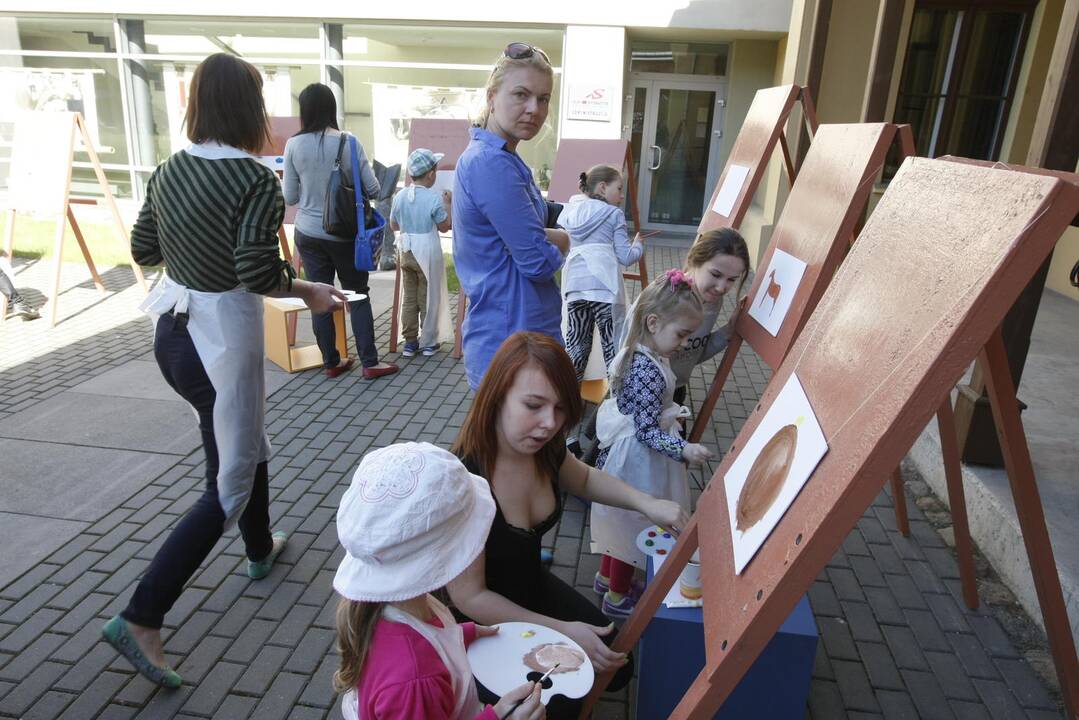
(601, 586)
(621, 609)
(115, 633)
(258, 569)
(430, 350)
(370, 373)
(335, 371)
(410, 349)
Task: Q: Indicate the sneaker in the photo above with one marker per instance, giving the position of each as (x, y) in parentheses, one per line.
(21, 308)
(430, 350)
(410, 349)
(620, 609)
(600, 587)
(258, 569)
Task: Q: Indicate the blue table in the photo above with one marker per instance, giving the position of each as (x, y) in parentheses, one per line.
(776, 687)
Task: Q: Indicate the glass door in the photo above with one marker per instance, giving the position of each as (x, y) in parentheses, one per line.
(675, 136)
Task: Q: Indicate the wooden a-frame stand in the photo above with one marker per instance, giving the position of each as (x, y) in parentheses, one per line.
(40, 183)
(968, 239)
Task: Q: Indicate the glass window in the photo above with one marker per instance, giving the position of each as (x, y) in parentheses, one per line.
(959, 76)
(250, 40)
(678, 58)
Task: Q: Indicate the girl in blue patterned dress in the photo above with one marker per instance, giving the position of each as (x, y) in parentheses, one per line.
(639, 433)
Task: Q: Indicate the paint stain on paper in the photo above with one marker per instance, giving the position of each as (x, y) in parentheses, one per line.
(766, 477)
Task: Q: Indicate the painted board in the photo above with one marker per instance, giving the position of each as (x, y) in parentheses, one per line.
(498, 661)
(817, 223)
(875, 359)
(770, 471)
(576, 156)
(441, 135)
(752, 149)
(41, 163)
(782, 276)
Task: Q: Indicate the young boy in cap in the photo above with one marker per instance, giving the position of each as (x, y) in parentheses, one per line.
(418, 215)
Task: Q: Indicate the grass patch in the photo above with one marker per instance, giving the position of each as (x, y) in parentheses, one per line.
(35, 238)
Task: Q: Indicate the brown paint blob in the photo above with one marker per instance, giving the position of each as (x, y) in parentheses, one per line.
(766, 477)
(543, 657)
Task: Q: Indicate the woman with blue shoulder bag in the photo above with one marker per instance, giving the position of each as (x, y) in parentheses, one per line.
(311, 157)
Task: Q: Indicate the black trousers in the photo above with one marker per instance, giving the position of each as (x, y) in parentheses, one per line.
(322, 259)
(191, 541)
(561, 602)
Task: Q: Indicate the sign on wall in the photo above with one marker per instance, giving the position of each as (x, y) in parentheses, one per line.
(590, 102)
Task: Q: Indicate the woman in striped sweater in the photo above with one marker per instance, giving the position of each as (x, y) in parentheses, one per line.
(210, 217)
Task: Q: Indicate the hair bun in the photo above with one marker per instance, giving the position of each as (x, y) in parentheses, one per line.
(583, 182)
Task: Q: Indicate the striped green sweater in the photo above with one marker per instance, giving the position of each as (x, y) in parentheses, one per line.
(213, 224)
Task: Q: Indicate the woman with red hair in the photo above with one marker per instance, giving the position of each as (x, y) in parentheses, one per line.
(514, 435)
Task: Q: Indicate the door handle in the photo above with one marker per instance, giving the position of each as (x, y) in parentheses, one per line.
(657, 157)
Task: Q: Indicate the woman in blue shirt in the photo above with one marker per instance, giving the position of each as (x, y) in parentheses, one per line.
(505, 258)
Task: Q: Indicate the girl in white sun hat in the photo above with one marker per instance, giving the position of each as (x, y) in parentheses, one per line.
(412, 520)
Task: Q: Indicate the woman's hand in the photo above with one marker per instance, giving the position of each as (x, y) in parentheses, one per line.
(590, 638)
(558, 238)
(530, 709)
(667, 514)
(486, 631)
(320, 297)
(696, 454)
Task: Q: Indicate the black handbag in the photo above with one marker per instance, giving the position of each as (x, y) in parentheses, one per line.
(339, 212)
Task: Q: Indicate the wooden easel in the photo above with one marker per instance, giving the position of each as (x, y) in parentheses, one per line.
(753, 147)
(449, 137)
(949, 447)
(817, 226)
(40, 184)
(967, 240)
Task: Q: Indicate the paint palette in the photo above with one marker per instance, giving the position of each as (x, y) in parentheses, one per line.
(498, 661)
(656, 541)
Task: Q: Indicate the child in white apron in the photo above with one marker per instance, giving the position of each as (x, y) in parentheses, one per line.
(417, 216)
(412, 520)
(592, 276)
(638, 431)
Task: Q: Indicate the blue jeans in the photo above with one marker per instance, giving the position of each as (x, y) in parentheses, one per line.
(321, 260)
(191, 541)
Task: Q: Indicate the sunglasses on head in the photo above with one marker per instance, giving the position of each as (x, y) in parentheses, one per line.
(521, 51)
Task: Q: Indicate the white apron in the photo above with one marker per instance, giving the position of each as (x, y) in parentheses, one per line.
(226, 328)
(427, 248)
(449, 643)
(615, 530)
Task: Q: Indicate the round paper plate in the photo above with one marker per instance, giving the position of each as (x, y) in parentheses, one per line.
(498, 661)
(656, 541)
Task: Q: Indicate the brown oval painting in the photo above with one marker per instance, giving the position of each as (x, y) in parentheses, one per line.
(766, 477)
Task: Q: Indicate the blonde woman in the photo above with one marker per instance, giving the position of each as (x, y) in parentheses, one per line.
(505, 259)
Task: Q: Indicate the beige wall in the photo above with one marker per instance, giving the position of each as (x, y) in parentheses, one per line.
(846, 61)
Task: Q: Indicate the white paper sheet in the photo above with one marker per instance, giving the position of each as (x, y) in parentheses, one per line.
(790, 408)
(773, 299)
(351, 296)
(728, 192)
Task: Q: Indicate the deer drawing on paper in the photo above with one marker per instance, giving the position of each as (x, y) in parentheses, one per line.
(772, 290)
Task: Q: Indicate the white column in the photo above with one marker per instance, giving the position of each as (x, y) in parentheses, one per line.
(593, 69)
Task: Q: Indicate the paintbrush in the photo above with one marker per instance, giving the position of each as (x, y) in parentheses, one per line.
(538, 682)
(649, 234)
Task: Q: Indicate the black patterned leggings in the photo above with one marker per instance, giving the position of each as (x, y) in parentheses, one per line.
(583, 316)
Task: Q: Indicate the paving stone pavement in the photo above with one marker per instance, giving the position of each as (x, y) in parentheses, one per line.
(895, 639)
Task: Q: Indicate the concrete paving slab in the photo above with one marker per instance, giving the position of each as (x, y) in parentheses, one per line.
(70, 482)
(156, 426)
(137, 379)
(36, 537)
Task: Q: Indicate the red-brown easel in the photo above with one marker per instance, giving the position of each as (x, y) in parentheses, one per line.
(40, 185)
(966, 240)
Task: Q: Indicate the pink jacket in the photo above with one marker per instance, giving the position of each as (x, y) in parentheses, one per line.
(404, 678)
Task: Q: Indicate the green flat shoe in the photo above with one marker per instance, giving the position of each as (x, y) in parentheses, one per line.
(256, 570)
(115, 633)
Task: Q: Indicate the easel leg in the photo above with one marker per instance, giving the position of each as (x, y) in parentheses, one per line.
(462, 304)
(899, 501)
(701, 701)
(297, 263)
(646, 607)
(85, 251)
(394, 316)
(1028, 507)
(953, 473)
(788, 163)
(704, 415)
(57, 264)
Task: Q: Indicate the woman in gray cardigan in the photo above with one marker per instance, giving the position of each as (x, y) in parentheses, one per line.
(309, 160)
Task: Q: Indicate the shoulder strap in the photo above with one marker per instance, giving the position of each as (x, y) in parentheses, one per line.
(340, 149)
